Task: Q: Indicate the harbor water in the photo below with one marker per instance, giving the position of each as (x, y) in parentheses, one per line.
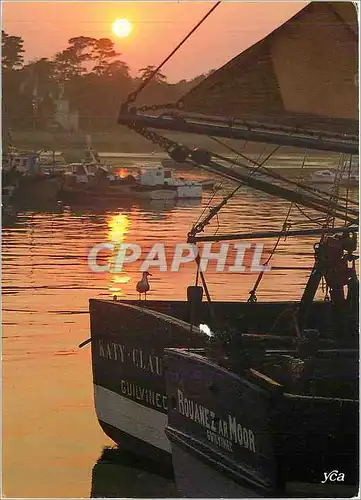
(52, 443)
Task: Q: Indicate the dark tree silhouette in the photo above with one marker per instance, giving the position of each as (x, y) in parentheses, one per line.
(72, 61)
(40, 73)
(117, 69)
(82, 46)
(149, 70)
(67, 65)
(11, 51)
(103, 55)
(92, 78)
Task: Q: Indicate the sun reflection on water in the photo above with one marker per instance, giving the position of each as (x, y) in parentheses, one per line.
(119, 226)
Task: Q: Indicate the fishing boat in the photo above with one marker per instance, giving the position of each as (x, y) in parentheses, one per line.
(157, 178)
(44, 161)
(349, 176)
(51, 162)
(287, 356)
(328, 177)
(86, 181)
(323, 177)
(92, 179)
(250, 428)
(29, 183)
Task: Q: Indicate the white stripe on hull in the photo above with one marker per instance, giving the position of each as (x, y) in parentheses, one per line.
(132, 418)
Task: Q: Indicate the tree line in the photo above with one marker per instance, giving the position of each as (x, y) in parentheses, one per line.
(88, 73)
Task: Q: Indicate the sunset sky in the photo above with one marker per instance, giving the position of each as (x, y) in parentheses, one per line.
(157, 28)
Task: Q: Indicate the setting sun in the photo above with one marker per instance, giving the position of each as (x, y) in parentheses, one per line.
(121, 27)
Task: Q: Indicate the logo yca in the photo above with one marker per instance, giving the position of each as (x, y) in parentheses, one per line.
(333, 476)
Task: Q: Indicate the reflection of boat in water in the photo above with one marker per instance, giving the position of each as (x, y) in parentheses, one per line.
(8, 210)
(100, 205)
(272, 398)
(7, 194)
(118, 474)
(154, 194)
(164, 205)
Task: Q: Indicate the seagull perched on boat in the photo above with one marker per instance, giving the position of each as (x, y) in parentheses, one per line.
(143, 285)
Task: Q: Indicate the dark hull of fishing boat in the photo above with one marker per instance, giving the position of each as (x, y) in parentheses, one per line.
(244, 435)
(36, 190)
(85, 194)
(7, 196)
(129, 386)
(115, 194)
(128, 341)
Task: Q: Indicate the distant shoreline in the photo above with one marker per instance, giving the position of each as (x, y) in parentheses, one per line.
(123, 143)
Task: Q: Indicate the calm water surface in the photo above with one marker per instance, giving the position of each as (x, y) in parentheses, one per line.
(52, 440)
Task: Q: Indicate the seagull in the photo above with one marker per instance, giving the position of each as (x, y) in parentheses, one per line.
(143, 285)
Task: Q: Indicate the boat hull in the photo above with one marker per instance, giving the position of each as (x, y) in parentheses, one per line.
(86, 194)
(155, 194)
(129, 386)
(245, 436)
(36, 190)
(128, 341)
(132, 426)
(328, 177)
(213, 436)
(197, 478)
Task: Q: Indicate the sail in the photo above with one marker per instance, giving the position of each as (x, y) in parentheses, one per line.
(304, 75)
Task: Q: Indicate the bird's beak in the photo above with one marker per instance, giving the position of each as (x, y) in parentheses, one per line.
(149, 274)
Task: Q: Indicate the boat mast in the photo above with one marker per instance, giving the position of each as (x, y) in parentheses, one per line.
(337, 143)
(170, 117)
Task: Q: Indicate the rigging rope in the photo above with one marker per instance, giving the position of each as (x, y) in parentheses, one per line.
(348, 183)
(320, 221)
(286, 226)
(252, 294)
(211, 198)
(323, 199)
(132, 97)
(202, 159)
(171, 146)
(317, 192)
(215, 139)
(333, 198)
(201, 225)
